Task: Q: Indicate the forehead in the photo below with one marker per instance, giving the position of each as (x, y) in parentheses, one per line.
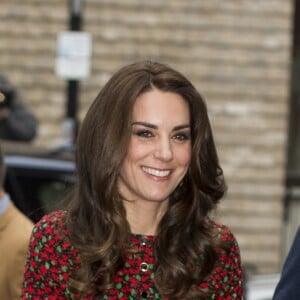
(157, 105)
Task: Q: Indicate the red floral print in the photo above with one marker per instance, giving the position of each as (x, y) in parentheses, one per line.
(52, 259)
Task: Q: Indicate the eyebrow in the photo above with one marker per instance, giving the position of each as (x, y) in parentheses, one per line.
(149, 125)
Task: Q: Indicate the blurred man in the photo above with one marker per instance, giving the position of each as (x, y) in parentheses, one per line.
(15, 230)
(288, 287)
(16, 122)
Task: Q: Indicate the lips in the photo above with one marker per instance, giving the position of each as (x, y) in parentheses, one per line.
(156, 172)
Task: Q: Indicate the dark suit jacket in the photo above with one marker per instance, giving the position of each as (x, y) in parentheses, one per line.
(288, 287)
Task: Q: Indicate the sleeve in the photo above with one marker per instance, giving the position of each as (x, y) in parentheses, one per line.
(227, 277)
(49, 263)
(288, 286)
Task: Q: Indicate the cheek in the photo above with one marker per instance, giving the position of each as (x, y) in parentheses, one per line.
(184, 156)
(135, 152)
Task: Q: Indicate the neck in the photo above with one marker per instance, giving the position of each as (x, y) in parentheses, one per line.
(144, 218)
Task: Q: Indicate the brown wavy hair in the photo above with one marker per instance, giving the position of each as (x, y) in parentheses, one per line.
(96, 217)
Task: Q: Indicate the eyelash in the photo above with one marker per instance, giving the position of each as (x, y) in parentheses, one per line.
(178, 136)
(143, 133)
(182, 137)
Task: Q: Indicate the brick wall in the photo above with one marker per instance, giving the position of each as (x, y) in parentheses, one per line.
(236, 52)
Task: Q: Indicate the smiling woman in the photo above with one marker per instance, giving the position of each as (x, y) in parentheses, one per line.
(157, 159)
(138, 224)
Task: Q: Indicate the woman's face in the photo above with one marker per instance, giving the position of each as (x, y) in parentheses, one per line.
(159, 150)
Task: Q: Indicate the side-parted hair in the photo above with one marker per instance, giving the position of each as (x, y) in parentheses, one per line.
(97, 218)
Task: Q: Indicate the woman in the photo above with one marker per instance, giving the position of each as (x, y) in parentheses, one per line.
(138, 226)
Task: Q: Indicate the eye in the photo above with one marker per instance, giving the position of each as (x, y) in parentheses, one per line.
(143, 133)
(182, 136)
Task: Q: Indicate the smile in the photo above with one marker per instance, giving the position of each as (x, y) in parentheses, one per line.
(155, 172)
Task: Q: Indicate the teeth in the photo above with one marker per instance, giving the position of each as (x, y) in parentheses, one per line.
(155, 172)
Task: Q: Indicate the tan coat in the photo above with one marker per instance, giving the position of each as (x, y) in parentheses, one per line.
(15, 230)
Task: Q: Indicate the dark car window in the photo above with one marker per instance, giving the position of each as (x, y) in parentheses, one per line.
(38, 185)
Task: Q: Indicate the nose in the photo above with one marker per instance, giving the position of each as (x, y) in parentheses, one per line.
(163, 150)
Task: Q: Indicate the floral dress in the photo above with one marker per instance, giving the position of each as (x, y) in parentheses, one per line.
(52, 259)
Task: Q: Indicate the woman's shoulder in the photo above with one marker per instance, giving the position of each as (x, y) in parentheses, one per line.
(223, 235)
(54, 216)
(227, 246)
(220, 231)
(54, 220)
(52, 226)
(51, 232)
(51, 258)
(226, 278)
